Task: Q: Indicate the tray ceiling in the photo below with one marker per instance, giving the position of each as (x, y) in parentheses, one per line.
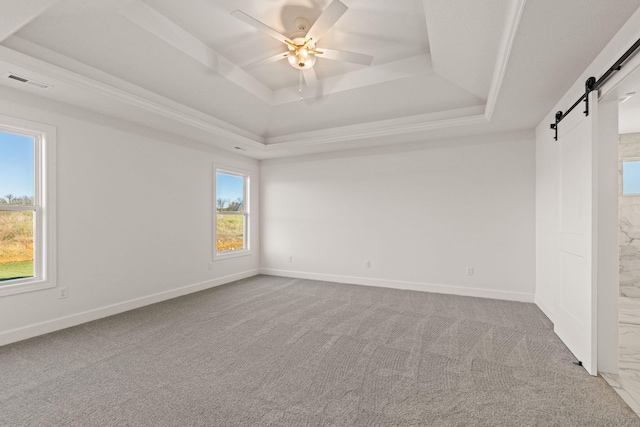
(437, 64)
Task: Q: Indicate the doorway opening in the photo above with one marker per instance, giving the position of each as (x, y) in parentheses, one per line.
(627, 381)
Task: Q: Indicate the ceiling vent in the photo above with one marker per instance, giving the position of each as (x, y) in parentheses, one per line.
(25, 80)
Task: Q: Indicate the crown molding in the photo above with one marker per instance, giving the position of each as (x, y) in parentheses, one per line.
(120, 90)
(511, 24)
(253, 145)
(414, 124)
(129, 94)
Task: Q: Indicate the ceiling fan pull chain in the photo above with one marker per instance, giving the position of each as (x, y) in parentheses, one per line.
(300, 85)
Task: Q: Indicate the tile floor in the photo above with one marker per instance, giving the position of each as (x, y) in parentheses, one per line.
(627, 382)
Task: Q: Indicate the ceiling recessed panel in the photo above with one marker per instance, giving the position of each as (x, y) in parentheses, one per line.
(391, 100)
(388, 31)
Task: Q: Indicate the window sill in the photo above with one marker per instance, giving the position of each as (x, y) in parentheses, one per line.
(24, 286)
(231, 254)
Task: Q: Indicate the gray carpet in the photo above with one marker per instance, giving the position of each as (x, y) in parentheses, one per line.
(270, 351)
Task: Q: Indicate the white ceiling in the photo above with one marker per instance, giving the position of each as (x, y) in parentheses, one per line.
(440, 67)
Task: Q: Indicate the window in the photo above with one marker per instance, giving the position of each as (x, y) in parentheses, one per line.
(631, 177)
(26, 206)
(232, 213)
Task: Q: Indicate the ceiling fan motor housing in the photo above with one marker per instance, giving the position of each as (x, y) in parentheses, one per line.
(302, 24)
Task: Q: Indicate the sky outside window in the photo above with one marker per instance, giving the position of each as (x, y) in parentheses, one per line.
(631, 177)
(229, 187)
(16, 165)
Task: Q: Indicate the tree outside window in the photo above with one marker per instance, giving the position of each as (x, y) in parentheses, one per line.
(231, 223)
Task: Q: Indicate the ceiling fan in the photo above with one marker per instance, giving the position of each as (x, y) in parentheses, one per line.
(302, 50)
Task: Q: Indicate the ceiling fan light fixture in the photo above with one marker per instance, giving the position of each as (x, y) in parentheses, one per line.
(301, 54)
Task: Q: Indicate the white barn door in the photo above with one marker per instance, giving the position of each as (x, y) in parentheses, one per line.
(576, 304)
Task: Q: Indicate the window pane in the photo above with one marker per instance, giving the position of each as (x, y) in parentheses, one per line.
(631, 177)
(16, 244)
(16, 169)
(229, 232)
(229, 193)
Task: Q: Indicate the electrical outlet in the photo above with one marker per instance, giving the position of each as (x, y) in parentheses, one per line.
(469, 271)
(367, 264)
(210, 266)
(63, 293)
(290, 258)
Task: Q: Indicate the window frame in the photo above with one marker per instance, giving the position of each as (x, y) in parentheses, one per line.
(44, 207)
(246, 175)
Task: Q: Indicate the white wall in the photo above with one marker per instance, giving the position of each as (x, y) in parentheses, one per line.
(547, 219)
(421, 214)
(134, 219)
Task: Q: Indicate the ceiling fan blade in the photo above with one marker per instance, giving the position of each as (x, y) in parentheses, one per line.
(310, 78)
(330, 16)
(343, 55)
(265, 61)
(260, 26)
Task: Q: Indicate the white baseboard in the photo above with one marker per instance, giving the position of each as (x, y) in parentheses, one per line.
(412, 286)
(53, 325)
(545, 309)
(57, 324)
